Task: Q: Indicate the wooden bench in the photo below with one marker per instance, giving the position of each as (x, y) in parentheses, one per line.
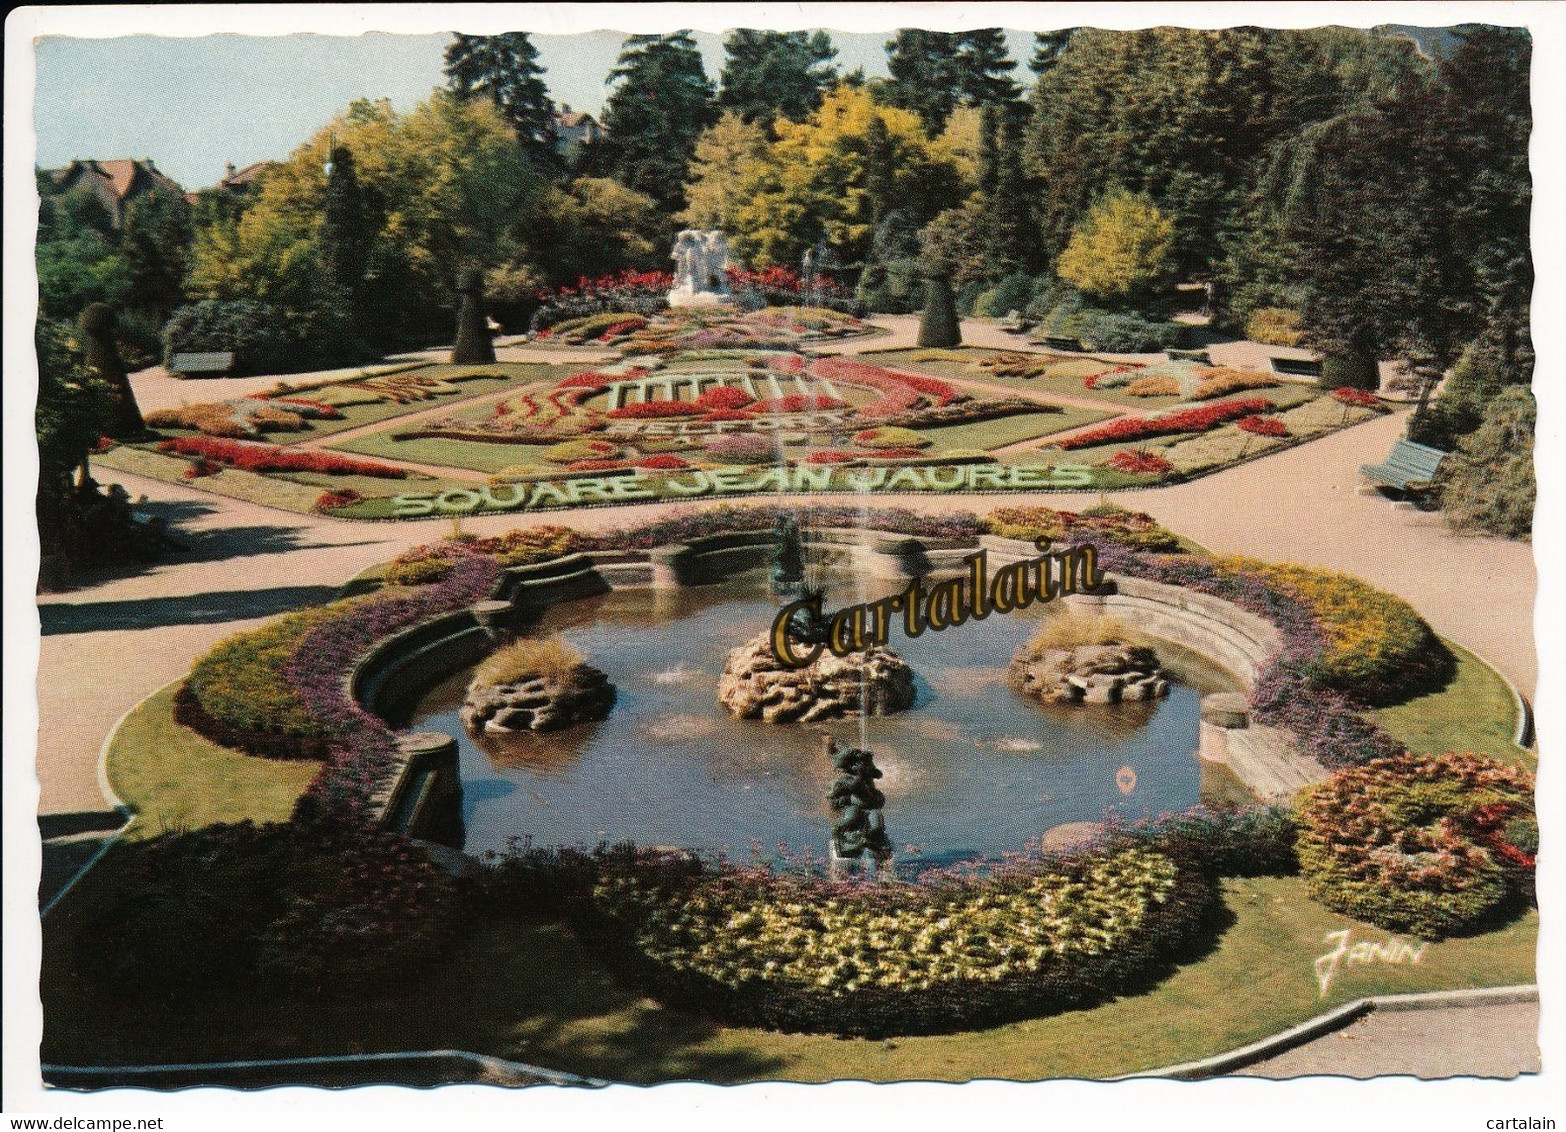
(1014, 323)
(218, 362)
(1408, 467)
(1296, 367)
(1056, 342)
(1202, 357)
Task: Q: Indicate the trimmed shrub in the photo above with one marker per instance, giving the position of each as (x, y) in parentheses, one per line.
(938, 326)
(1354, 371)
(103, 358)
(253, 331)
(1418, 843)
(1275, 326)
(474, 343)
(1011, 294)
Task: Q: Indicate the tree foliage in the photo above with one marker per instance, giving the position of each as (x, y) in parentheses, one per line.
(768, 73)
(661, 102)
(504, 69)
(934, 72)
(450, 189)
(834, 176)
(1122, 250)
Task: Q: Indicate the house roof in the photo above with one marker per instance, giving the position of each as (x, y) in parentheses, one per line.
(119, 174)
(242, 178)
(574, 118)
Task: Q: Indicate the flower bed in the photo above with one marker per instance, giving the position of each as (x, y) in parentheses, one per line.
(1154, 385)
(798, 403)
(1428, 844)
(890, 436)
(1378, 647)
(1220, 381)
(654, 410)
(1139, 463)
(1106, 524)
(1357, 398)
(1262, 426)
(269, 458)
(1187, 420)
(956, 952)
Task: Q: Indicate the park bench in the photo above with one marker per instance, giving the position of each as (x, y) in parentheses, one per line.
(1016, 324)
(218, 362)
(1408, 467)
(1296, 367)
(1201, 357)
(1057, 342)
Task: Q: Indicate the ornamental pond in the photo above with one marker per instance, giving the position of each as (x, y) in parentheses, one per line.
(973, 769)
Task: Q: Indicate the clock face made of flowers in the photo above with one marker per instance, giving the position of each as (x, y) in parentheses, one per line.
(727, 406)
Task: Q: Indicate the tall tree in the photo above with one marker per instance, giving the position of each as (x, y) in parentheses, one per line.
(767, 73)
(933, 72)
(1047, 48)
(504, 68)
(1003, 187)
(660, 104)
(983, 68)
(923, 65)
(155, 242)
(345, 230)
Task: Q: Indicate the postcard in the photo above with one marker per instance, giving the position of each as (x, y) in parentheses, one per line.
(853, 548)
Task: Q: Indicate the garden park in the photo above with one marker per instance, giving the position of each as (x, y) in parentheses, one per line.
(532, 774)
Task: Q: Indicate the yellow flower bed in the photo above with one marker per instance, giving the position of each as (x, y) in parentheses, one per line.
(1375, 640)
(842, 944)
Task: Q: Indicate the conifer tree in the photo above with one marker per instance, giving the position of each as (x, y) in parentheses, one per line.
(768, 73)
(504, 68)
(474, 345)
(661, 102)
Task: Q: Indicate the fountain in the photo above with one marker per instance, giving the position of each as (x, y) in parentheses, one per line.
(857, 824)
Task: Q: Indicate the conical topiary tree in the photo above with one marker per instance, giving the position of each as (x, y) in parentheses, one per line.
(473, 340)
(938, 325)
(123, 421)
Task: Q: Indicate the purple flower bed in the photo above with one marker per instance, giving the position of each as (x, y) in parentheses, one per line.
(362, 747)
(1289, 692)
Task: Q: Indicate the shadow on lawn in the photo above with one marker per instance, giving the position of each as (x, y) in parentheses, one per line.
(214, 608)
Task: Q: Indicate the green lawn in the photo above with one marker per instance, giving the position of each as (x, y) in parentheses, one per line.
(174, 779)
(1474, 712)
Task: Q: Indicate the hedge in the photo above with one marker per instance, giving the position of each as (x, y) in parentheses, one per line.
(253, 331)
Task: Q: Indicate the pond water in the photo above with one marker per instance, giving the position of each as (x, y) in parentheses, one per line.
(972, 769)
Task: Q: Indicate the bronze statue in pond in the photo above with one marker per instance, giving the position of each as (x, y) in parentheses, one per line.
(857, 824)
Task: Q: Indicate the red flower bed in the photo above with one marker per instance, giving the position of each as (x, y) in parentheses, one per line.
(1263, 426)
(651, 410)
(1199, 419)
(587, 379)
(798, 403)
(724, 397)
(664, 462)
(269, 458)
(615, 329)
(729, 415)
(331, 500)
(892, 454)
(831, 457)
(1357, 397)
(1139, 463)
(786, 363)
